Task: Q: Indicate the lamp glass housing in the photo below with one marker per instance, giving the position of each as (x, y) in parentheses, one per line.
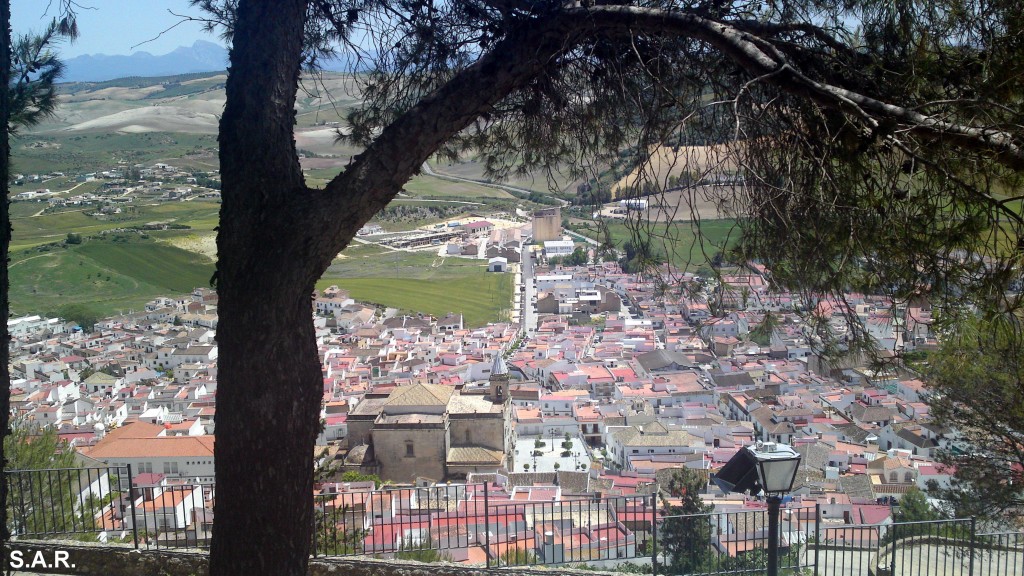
(777, 465)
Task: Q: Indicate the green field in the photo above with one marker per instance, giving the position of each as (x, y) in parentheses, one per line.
(422, 282)
(34, 230)
(686, 246)
(480, 296)
(121, 272)
(372, 261)
(102, 278)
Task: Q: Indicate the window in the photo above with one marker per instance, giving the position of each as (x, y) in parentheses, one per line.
(409, 451)
(170, 467)
(908, 477)
(893, 478)
(145, 467)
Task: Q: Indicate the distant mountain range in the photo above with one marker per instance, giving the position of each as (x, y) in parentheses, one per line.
(202, 56)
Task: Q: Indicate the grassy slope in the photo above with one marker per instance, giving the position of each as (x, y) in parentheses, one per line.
(90, 152)
(105, 277)
(686, 247)
(34, 230)
(422, 282)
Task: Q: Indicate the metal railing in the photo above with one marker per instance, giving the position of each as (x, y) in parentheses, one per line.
(478, 523)
(999, 553)
(108, 504)
(735, 542)
(483, 525)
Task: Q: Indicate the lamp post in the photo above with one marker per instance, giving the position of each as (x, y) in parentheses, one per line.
(766, 467)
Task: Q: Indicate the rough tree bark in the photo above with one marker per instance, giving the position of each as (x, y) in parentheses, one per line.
(277, 237)
(5, 243)
(268, 389)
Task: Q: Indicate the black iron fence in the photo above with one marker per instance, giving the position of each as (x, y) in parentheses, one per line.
(484, 525)
(736, 542)
(109, 504)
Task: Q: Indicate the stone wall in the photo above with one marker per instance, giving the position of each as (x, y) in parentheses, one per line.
(486, 430)
(426, 458)
(547, 224)
(114, 560)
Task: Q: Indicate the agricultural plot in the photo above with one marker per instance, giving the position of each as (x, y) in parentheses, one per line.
(480, 296)
(30, 230)
(687, 245)
(102, 278)
(422, 282)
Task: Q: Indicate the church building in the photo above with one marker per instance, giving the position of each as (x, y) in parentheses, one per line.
(432, 431)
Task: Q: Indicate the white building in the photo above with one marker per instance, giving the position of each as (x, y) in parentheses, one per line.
(497, 265)
(552, 281)
(148, 449)
(558, 248)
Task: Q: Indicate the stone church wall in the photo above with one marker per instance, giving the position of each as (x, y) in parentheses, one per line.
(400, 463)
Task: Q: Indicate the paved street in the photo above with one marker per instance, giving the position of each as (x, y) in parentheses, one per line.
(529, 319)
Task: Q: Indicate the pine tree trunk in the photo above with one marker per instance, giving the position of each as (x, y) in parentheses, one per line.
(268, 403)
(269, 384)
(5, 244)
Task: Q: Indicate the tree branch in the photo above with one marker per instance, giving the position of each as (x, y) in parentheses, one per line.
(744, 50)
(376, 175)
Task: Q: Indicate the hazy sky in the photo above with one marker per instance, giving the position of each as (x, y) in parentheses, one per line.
(115, 26)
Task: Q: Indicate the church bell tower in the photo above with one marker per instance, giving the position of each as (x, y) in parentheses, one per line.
(499, 380)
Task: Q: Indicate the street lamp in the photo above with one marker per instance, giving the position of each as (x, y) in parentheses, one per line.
(766, 467)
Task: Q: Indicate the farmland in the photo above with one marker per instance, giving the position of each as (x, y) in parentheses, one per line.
(101, 277)
(126, 259)
(421, 282)
(687, 245)
(480, 297)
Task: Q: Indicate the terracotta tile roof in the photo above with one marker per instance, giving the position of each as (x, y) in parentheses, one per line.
(474, 455)
(154, 447)
(420, 395)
